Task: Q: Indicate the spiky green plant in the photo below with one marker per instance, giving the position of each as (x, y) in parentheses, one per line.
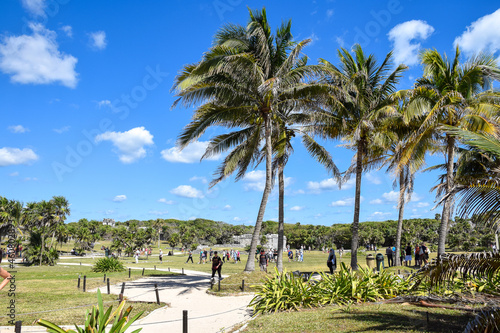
(97, 320)
(105, 265)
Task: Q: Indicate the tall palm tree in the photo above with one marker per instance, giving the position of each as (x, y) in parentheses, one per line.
(240, 81)
(360, 99)
(452, 94)
(291, 122)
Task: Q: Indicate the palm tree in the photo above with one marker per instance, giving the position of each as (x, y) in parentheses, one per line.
(290, 123)
(240, 81)
(452, 94)
(360, 98)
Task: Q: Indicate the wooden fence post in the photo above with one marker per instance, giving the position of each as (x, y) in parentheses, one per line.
(184, 321)
(143, 271)
(129, 272)
(78, 281)
(108, 287)
(84, 283)
(243, 285)
(17, 329)
(157, 294)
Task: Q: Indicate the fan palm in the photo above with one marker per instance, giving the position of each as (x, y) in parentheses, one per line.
(360, 99)
(240, 82)
(452, 94)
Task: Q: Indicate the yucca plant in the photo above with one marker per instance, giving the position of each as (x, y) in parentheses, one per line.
(97, 320)
(284, 291)
(105, 265)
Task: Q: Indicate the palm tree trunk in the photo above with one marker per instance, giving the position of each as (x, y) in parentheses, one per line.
(445, 217)
(41, 250)
(357, 199)
(250, 265)
(281, 216)
(402, 190)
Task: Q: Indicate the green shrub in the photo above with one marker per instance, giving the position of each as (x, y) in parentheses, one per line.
(97, 320)
(105, 265)
(284, 291)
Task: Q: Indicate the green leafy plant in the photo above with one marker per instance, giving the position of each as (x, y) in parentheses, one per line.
(284, 291)
(98, 319)
(105, 265)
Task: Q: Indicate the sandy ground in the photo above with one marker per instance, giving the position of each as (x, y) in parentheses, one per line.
(206, 313)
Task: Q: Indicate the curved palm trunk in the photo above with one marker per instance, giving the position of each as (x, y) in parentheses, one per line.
(43, 245)
(402, 190)
(281, 216)
(357, 199)
(250, 265)
(445, 217)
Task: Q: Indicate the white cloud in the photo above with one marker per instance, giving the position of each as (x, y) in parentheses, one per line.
(236, 219)
(422, 204)
(27, 179)
(314, 38)
(14, 156)
(345, 202)
(98, 40)
(380, 215)
(373, 179)
(256, 180)
(14, 174)
(120, 198)
(104, 102)
(329, 13)
(340, 41)
(187, 191)
(329, 185)
(190, 154)
(62, 129)
(391, 196)
(402, 36)
(68, 30)
(130, 144)
(18, 129)
(34, 7)
(36, 59)
(165, 201)
(297, 208)
(227, 207)
(195, 178)
(481, 35)
(376, 202)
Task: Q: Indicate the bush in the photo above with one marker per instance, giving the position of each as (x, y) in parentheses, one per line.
(285, 291)
(105, 265)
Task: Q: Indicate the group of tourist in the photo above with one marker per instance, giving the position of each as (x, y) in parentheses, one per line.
(299, 254)
(420, 252)
(226, 255)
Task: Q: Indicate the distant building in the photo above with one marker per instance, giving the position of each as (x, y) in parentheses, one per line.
(109, 222)
(272, 240)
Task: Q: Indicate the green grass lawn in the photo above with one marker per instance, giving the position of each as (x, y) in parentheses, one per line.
(365, 318)
(48, 288)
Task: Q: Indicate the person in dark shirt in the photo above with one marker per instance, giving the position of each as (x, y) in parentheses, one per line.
(408, 252)
(332, 261)
(216, 265)
(263, 261)
(388, 252)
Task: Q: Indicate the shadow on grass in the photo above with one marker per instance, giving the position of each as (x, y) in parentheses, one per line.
(405, 319)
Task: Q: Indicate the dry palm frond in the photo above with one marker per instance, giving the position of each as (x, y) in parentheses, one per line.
(487, 321)
(444, 269)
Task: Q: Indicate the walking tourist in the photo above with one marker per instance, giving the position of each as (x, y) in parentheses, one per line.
(190, 257)
(332, 261)
(388, 252)
(263, 261)
(216, 265)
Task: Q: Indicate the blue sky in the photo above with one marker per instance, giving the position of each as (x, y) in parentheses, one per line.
(85, 103)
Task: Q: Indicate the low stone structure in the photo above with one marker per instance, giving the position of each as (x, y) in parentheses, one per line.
(246, 240)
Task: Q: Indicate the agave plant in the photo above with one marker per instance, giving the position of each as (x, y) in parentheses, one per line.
(97, 320)
(284, 291)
